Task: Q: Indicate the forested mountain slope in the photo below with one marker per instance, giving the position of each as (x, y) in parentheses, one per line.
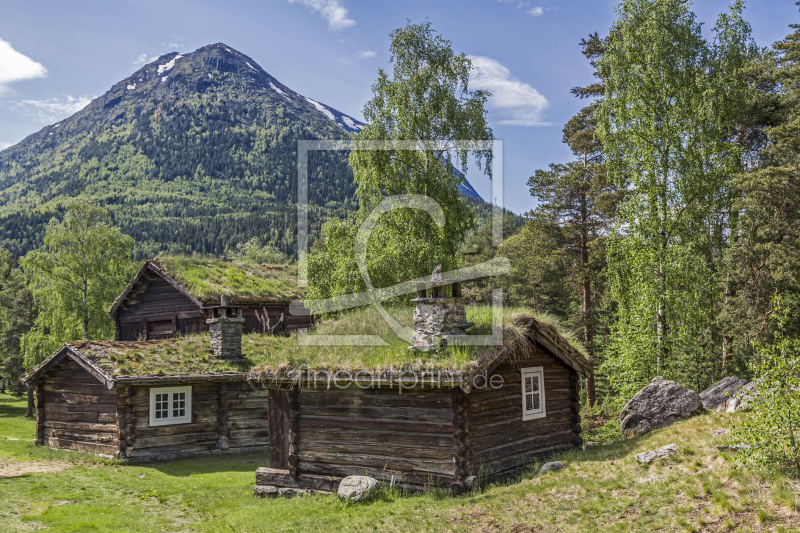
(193, 152)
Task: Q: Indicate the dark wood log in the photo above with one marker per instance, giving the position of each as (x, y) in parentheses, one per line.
(79, 426)
(281, 478)
(385, 438)
(253, 423)
(400, 464)
(380, 424)
(520, 460)
(172, 440)
(94, 389)
(61, 408)
(108, 449)
(415, 478)
(396, 450)
(440, 401)
(561, 420)
(524, 445)
(78, 399)
(82, 436)
(398, 413)
(515, 411)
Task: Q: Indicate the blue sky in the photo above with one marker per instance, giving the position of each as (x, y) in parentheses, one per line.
(55, 56)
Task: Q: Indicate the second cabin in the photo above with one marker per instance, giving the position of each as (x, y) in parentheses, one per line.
(175, 295)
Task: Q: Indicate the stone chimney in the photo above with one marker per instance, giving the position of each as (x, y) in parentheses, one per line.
(439, 317)
(225, 328)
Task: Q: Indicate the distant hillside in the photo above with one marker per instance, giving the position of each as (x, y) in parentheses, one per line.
(193, 152)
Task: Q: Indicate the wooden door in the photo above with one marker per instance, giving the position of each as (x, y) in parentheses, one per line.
(278, 412)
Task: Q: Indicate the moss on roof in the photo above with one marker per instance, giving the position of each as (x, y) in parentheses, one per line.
(207, 278)
(271, 357)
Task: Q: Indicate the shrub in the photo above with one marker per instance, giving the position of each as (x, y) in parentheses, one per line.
(772, 427)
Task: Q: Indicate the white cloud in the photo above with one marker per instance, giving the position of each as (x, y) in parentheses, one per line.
(3, 145)
(517, 103)
(142, 60)
(15, 66)
(173, 45)
(331, 10)
(536, 11)
(366, 54)
(53, 109)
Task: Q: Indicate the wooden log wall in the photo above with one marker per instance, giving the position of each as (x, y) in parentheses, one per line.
(377, 432)
(225, 416)
(156, 307)
(75, 411)
(502, 443)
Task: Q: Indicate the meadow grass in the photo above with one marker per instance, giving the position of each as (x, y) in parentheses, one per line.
(601, 489)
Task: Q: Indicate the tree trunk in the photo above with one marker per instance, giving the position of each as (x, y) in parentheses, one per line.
(85, 311)
(662, 281)
(588, 325)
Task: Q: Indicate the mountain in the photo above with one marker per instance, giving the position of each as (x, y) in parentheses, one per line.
(192, 153)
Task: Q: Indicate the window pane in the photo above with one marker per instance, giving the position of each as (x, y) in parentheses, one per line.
(528, 385)
(528, 402)
(535, 380)
(179, 405)
(536, 403)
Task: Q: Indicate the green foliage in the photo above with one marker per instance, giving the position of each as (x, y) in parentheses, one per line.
(207, 278)
(18, 314)
(670, 103)
(81, 268)
(427, 99)
(253, 251)
(772, 426)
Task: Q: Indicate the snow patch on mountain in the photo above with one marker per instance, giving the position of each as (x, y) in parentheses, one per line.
(277, 90)
(322, 109)
(351, 124)
(168, 65)
(131, 87)
(251, 66)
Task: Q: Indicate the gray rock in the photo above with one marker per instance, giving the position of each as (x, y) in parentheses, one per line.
(658, 453)
(733, 447)
(721, 433)
(658, 405)
(592, 443)
(742, 400)
(722, 391)
(271, 491)
(554, 466)
(358, 488)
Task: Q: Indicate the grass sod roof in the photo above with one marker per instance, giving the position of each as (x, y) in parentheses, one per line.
(207, 278)
(273, 358)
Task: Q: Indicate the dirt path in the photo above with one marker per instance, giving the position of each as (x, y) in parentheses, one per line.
(12, 468)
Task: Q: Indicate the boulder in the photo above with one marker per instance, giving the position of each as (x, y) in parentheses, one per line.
(658, 405)
(722, 391)
(741, 400)
(358, 488)
(554, 466)
(658, 453)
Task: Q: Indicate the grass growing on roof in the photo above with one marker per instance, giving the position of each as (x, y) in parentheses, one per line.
(275, 356)
(207, 278)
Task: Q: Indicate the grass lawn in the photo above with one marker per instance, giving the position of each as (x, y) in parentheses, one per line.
(602, 489)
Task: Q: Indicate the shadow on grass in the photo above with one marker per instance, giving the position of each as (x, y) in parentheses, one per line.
(210, 464)
(10, 405)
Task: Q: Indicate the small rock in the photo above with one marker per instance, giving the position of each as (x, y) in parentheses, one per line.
(722, 391)
(658, 405)
(358, 488)
(142, 476)
(592, 443)
(271, 491)
(567, 497)
(733, 447)
(554, 466)
(658, 453)
(721, 433)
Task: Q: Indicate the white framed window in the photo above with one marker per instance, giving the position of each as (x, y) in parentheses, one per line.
(170, 405)
(533, 393)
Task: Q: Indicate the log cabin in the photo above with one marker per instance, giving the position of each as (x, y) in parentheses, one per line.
(174, 295)
(417, 417)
